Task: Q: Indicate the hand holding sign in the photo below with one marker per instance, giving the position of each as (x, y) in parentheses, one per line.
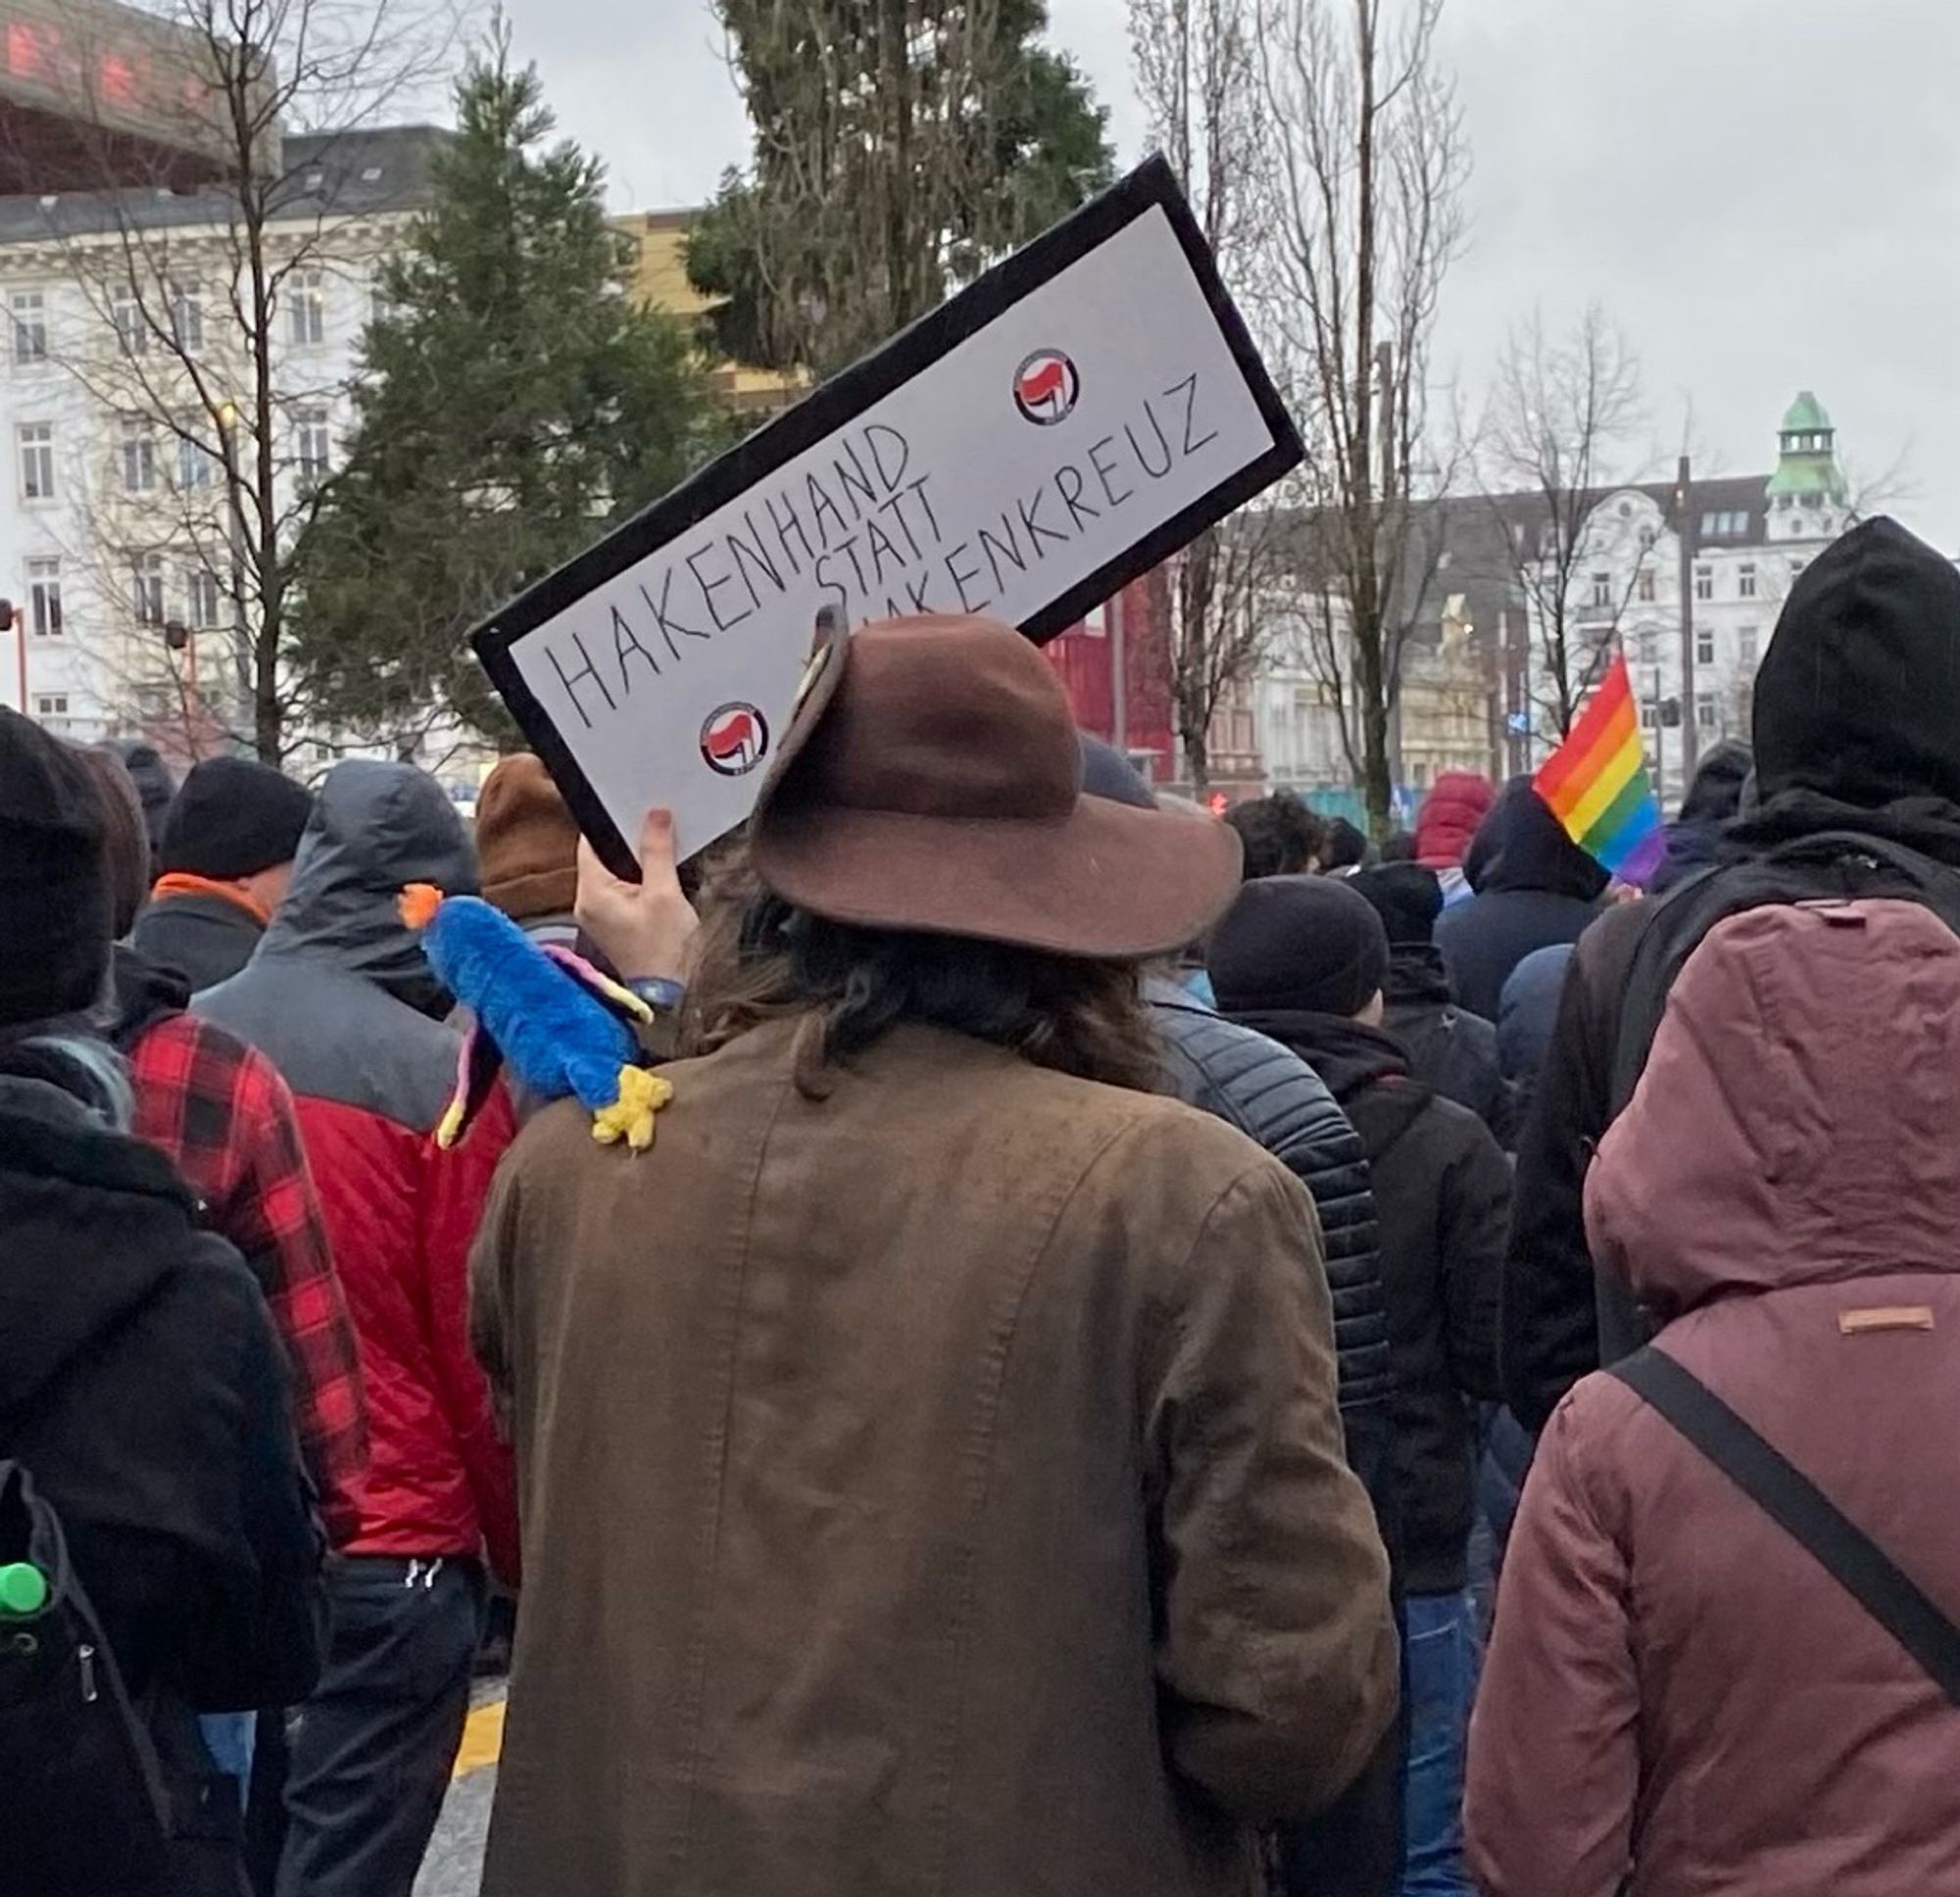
(1084, 409)
(644, 929)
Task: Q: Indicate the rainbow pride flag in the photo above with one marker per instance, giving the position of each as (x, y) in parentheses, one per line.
(1597, 784)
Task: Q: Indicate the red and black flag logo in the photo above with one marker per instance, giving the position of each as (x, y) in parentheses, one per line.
(734, 739)
(1046, 388)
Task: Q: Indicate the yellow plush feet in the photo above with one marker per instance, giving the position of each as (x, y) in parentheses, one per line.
(630, 1117)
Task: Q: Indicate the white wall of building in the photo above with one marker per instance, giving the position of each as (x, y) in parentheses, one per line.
(103, 673)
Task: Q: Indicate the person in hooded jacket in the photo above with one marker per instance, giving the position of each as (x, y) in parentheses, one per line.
(341, 998)
(1450, 1048)
(1446, 825)
(1713, 800)
(142, 1387)
(1532, 886)
(1304, 959)
(1856, 729)
(1680, 1696)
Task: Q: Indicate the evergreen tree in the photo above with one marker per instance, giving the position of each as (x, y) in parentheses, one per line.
(901, 146)
(514, 403)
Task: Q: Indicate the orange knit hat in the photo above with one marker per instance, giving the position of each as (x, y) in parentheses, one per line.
(526, 841)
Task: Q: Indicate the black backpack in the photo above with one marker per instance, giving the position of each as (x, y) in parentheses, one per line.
(82, 1806)
(1828, 866)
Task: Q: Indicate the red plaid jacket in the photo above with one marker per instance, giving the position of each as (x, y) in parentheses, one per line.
(221, 1111)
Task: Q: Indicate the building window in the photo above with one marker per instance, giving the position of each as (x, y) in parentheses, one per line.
(1796, 566)
(195, 461)
(1813, 500)
(131, 333)
(187, 316)
(51, 704)
(146, 589)
(1745, 646)
(312, 450)
(1704, 646)
(306, 307)
(139, 455)
(1746, 580)
(37, 459)
(1647, 714)
(29, 310)
(1705, 713)
(44, 612)
(1647, 586)
(1649, 648)
(1704, 582)
(204, 599)
(1600, 590)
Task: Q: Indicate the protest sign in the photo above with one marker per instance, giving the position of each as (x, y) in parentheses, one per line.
(1082, 411)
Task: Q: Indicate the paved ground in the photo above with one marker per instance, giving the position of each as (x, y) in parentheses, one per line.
(454, 1862)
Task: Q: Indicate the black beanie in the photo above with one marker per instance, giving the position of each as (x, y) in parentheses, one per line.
(1304, 943)
(1406, 897)
(53, 878)
(234, 818)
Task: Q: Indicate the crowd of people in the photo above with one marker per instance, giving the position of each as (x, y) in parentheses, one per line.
(1147, 1353)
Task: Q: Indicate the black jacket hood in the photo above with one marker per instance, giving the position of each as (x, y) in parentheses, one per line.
(1522, 846)
(93, 1222)
(374, 828)
(1858, 698)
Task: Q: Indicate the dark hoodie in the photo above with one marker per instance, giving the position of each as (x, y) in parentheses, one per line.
(1534, 887)
(1441, 1200)
(1857, 726)
(341, 998)
(143, 1389)
(1714, 796)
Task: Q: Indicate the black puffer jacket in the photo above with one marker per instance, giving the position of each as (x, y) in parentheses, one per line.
(1276, 1100)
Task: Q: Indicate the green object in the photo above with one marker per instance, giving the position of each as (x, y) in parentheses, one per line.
(1807, 457)
(23, 1590)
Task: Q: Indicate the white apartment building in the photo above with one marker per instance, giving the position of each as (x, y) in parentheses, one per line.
(1474, 684)
(1746, 538)
(120, 530)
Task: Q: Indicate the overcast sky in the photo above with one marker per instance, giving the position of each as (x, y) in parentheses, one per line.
(1765, 194)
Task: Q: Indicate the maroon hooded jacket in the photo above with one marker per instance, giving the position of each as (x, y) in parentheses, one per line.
(1676, 1688)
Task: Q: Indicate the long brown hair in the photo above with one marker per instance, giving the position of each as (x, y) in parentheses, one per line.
(760, 959)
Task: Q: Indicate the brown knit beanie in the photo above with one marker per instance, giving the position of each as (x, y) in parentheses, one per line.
(526, 841)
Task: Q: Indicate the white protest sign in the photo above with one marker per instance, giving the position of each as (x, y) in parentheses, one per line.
(1075, 416)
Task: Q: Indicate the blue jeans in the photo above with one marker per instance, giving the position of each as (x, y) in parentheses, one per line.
(1440, 1660)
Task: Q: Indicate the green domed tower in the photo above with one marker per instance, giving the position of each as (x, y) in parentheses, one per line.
(1807, 493)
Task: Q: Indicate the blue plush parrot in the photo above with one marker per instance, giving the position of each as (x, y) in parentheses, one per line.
(554, 1016)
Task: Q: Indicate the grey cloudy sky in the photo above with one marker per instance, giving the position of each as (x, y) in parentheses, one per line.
(1765, 194)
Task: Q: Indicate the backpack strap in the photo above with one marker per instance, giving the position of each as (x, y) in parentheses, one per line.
(1788, 1496)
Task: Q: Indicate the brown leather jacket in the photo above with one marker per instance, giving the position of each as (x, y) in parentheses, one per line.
(931, 1481)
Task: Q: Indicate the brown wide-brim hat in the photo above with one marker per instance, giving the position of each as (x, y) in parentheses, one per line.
(931, 780)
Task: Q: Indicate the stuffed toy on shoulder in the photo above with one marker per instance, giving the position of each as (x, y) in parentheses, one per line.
(560, 1024)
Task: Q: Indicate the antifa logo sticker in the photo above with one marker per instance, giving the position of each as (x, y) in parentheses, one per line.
(734, 739)
(1046, 388)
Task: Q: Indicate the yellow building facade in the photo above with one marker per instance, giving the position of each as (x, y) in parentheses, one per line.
(658, 278)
